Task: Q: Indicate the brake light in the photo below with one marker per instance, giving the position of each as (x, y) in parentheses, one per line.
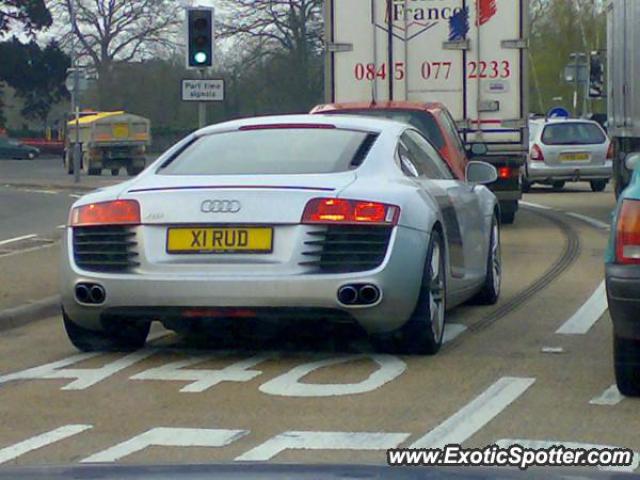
(286, 126)
(504, 173)
(610, 152)
(628, 233)
(118, 212)
(338, 210)
(536, 154)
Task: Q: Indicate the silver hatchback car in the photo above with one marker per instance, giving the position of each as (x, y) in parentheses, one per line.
(568, 150)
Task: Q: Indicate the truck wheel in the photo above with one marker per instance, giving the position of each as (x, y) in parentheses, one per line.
(626, 362)
(124, 336)
(598, 185)
(115, 172)
(95, 171)
(508, 212)
(557, 186)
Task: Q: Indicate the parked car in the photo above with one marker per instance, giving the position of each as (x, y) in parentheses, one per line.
(14, 149)
(568, 150)
(623, 283)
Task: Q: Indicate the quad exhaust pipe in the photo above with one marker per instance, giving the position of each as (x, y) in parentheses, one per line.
(90, 293)
(361, 294)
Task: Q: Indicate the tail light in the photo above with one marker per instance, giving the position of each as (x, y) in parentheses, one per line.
(628, 233)
(610, 152)
(536, 154)
(341, 211)
(505, 173)
(118, 212)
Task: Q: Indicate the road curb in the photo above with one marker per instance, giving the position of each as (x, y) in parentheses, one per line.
(31, 312)
(55, 186)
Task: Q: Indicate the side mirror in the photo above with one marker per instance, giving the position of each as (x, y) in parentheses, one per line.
(632, 161)
(480, 173)
(478, 149)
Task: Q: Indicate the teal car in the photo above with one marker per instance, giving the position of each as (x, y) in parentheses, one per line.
(16, 150)
(622, 262)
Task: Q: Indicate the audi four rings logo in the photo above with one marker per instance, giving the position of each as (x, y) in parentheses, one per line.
(220, 206)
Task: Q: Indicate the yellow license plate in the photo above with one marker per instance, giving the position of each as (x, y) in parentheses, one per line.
(220, 240)
(121, 130)
(574, 157)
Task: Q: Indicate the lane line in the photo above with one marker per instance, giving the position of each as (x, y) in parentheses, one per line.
(167, 437)
(544, 444)
(476, 414)
(452, 330)
(587, 315)
(14, 451)
(611, 396)
(75, 195)
(536, 205)
(322, 441)
(17, 239)
(590, 220)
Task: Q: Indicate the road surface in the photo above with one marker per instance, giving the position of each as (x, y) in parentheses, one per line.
(535, 367)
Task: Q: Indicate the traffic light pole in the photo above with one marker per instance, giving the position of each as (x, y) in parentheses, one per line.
(202, 106)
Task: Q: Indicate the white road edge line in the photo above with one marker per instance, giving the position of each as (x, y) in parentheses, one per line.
(536, 205)
(476, 414)
(611, 396)
(17, 239)
(587, 315)
(590, 220)
(167, 437)
(540, 444)
(452, 330)
(322, 441)
(74, 195)
(14, 451)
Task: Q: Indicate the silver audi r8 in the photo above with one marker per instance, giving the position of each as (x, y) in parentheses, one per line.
(337, 219)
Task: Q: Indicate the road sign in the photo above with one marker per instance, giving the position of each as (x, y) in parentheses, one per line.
(83, 84)
(211, 90)
(558, 112)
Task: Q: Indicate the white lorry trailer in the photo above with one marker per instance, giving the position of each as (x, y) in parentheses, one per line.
(623, 60)
(470, 55)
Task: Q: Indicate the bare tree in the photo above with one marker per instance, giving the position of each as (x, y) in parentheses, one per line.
(111, 31)
(286, 32)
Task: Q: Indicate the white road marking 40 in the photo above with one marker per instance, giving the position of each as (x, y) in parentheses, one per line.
(288, 384)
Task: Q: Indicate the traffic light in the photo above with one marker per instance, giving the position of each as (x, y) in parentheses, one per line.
(596, 75)
(199, 37)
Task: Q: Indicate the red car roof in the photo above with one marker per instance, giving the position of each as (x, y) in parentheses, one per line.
(394, 105)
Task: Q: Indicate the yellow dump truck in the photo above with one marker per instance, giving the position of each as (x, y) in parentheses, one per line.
(110, 141)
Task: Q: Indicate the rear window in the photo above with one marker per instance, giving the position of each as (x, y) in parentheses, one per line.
(421, 121)
(573, 134)
(273, 152)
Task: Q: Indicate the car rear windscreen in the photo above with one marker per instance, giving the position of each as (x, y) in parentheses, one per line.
(421, 121)
(273, 151)
(573, 134)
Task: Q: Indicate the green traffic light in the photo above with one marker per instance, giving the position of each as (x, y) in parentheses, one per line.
(200, 57)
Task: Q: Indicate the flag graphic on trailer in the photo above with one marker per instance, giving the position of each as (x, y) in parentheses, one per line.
(486, 10)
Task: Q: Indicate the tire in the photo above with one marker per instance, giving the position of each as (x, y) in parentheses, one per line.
(115, 172)
(526, 186)
(490, 292)
(626, 363)
(598, 185)
(31, 156)
(424, 331)
(557, 186)
(94, 172)
(508, 217)
(121, 336)
(134, 171)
